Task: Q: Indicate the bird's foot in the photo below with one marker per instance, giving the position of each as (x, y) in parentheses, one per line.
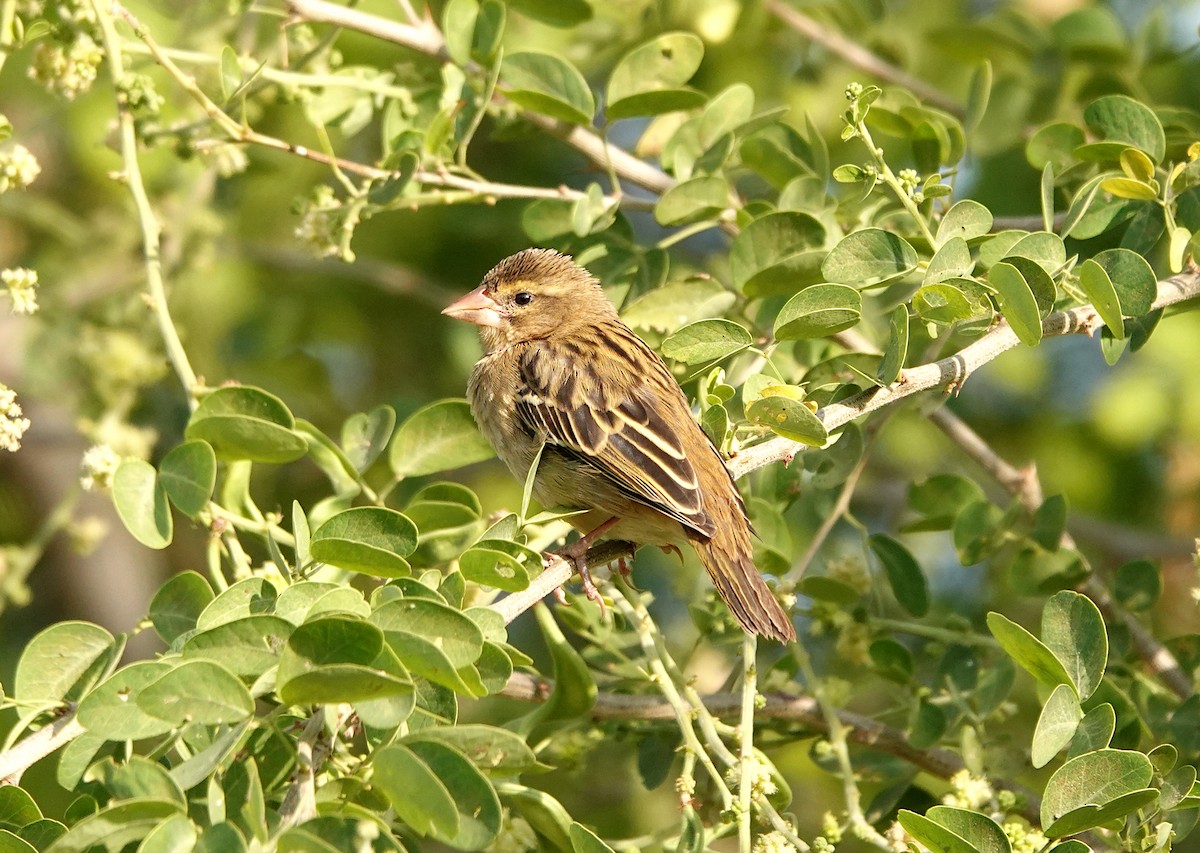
(576, 555)
(672, 549)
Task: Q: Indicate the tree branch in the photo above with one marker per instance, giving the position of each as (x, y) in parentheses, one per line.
(1024, 485)
(861, 58)
(951, 372)
(421, 39)
(803, 710)
(23, 755)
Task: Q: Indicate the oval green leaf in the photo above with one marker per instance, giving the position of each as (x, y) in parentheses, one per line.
(1056, 725)
(1074, 632)
(967, 219)
(197, 691)
(547, 84)
(241, 422)
(1133, 279)
(1099, 289)
(649, 78)
(1028, 651)
(62, 662)
(903, 573)
(774, 253)
(141, 502)
(178, 604)
(869, 257)
(788, 418)
(706, 340)
(1094, 788)
(438, 437)
(1017, 302)
(370, 539)
(189, 474)
(692, 201)
(818, 311)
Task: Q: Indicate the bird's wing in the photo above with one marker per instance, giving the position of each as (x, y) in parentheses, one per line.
(608, 399)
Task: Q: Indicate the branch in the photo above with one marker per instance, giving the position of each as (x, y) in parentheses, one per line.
(951, 372)
(22, 756)
(585, 140)
(861, 58)
(803, 710)
(1024, 485)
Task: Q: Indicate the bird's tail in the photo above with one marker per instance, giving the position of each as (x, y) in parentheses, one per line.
(727, 558)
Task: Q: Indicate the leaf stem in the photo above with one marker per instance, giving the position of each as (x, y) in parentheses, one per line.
(889, 178)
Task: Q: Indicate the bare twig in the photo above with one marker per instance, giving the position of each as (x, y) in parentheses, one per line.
(861, 58)
(585, 140)
(1024, 485)
(22, 756)
(802, 710)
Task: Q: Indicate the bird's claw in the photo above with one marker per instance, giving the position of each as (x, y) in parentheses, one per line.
(577, 557)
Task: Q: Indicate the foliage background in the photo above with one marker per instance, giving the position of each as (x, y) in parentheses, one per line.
(255, 306)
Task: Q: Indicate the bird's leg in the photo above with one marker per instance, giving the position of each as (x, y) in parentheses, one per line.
(576, 552)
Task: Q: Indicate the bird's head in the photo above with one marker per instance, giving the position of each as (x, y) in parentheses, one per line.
(531, 295)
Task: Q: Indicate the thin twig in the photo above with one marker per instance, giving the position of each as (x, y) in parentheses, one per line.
(585, 140)
(1024, 485)
(951, 372)
(150, 228)
(746, 738)
(861, 58)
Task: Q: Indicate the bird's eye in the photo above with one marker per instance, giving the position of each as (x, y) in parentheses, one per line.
(523, 298)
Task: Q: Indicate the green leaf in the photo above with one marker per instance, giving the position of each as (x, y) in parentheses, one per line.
(897, 347)
(474, 797)
(178, 604)
(242, 422)
(244, 598)
(17, 808)
(419, 797)
(1095, 788)
(111, 710)
(556, 13)
(189, 474)
(672, 306)
(544, 813)
(370, 539)
(1043, 248)
(818, 311)
(62, 662)
(1131, 189)
(1099, 289)
(547, 84)
(978, 830)
(692, 201)
(438, 437)
(777, 253)
(458, 26)
(1121, 122)
(141, 502)
(789, 418)
(903, 573)
(583, 840)
(1017, 302)
(574, 691)
(1056, 725)
(459, 638)
(726, 112)
(952, 260)
(1133, 279)
(648, 80)
(978, 94)
(1074, 632)
(952, 300)
(366, 434)
(941, 498)
(249, 646)
(116, 826)
(424, 658)
(500, 564)
(933, 835)
(491, 749)
(136, 777)
(1054, 145)
(869, 257)
(1095, 730)
(339, 659)
(1138, 584)
(706, 340)
(967, 219)
(197, 691)
(1028, 651)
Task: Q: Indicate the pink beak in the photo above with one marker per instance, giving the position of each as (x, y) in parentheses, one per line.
(476, 307)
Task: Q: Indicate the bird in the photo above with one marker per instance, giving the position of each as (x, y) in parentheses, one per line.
(564, 381)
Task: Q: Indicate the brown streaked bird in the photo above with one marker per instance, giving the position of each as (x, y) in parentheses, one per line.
(560, 368)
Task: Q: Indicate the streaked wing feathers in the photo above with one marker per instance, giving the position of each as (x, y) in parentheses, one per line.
(619, 423)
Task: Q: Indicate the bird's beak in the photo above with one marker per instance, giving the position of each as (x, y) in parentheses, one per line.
(476, 307)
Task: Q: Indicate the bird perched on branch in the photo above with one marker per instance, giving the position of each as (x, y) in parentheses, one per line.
(562, 370)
